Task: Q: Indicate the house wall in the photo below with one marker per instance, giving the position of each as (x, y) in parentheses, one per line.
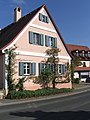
(87, 63)
(1, 71)
(29, 84)
(27, 52)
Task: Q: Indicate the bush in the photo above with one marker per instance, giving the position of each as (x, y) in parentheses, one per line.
(36, 93)
(76, 80)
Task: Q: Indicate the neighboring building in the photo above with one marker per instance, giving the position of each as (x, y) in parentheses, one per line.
(33, 34)
(83, 53)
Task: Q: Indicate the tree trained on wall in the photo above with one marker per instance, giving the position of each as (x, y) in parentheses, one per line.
(10, 67)
(44, 78)
(53, 59)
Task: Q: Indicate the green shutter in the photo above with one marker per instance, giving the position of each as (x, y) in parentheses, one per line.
(21, 68)
(56, 71)
(39, 40)
(47, 42)
(41, 68)
(55, 42)
(42, 40)
(47, 19)
(63, 69)
(48, 66)
(40, 16)
(51, 67)
(33, 68)
(31, 37)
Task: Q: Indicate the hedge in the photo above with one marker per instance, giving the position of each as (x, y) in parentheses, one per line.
(36, 93)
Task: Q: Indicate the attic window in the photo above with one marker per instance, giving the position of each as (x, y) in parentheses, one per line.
(82, 53)
(76, 53)
(88, 54)
(43, 18)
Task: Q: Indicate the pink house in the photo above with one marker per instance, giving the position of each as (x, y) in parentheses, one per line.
(33, 34)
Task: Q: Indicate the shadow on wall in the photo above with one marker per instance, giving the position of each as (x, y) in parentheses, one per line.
(67, 115)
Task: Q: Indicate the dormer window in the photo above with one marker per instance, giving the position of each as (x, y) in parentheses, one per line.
(88, 54)
(76, 53)
(82, 53)
(43, 18)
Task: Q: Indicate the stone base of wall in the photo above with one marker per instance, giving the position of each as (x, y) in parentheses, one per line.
(29, 85)
(64, 85)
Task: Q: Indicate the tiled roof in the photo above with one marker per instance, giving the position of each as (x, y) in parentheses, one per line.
(82, 69)
(76, 47)
(72, 48)
(9, 33)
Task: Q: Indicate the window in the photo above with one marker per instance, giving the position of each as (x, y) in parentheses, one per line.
(50, 41)
(84, 64)
(77, 53)
(43, 18)
(61, 68)
(36, 38)
(88, 54)
(41, 67)
(82, 53)
(26, 68)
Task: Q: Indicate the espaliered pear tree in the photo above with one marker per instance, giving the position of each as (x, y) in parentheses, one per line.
(53, 59)
(10, 67)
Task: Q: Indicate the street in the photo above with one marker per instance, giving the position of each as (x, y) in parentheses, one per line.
(72, 107)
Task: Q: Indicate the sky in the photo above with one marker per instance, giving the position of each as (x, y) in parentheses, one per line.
(72, 17)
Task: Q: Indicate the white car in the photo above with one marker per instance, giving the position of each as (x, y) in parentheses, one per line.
(83, 79)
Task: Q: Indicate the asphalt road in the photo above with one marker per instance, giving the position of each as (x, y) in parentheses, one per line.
(74, 107)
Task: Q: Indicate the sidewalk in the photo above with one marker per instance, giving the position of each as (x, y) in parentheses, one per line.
(79, 90)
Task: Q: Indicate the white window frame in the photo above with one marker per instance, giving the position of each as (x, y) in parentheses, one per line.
(26, 68)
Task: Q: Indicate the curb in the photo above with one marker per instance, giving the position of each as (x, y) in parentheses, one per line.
(37, 99)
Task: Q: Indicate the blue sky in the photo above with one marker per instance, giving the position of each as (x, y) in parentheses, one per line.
(72, 17)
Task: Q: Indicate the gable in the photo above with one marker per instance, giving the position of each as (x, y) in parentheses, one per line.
(34, 24)
(48, 29)
(43, 25)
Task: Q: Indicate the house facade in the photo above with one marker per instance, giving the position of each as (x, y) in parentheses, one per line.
(32, 34)
(83, 53)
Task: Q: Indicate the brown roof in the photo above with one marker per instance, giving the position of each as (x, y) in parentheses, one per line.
(72, 48)
(82, 69)
(76, 47)
(9, 33)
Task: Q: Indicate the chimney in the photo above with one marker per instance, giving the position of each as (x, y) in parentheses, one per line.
(17, 14)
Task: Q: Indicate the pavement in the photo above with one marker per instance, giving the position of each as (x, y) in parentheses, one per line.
(84, 88)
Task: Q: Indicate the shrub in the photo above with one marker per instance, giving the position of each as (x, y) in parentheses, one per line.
(36, 93)
(76, 80)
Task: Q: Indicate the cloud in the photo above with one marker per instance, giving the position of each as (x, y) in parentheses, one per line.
(18, 1)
